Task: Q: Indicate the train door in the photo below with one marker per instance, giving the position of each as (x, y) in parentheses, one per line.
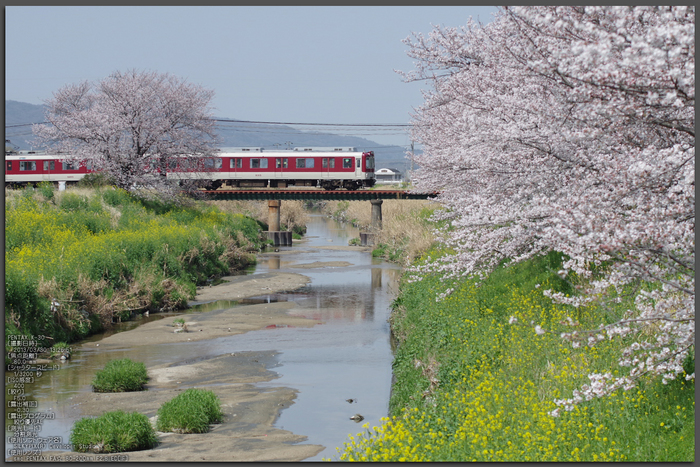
(279, 175)
(235, 165)
(49, 168)
(327, 167)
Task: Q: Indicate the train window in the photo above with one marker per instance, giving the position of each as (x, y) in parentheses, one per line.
(212, 163)
(70, 165)
(258, 163)
(281, 162)
(328, 162)
(236, 163)
(347, 163)
(358, 162)
(309, 163)
(49, 165)
(9, 165)
(301, 163)
(27, 165)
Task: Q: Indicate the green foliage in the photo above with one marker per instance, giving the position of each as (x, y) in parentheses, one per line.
(116, 197)
(116, 431)
(190, 412)
(157, 252)
(46, 189)
(298, 231)
(120, 376)
(475, 382)
(341, 209)
(58, 349)
(26, 312)
(96, 180)
(73, 202)
(391, 253)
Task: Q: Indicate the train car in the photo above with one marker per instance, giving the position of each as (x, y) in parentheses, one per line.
(32, 167)
(254, 167)
(328, 168)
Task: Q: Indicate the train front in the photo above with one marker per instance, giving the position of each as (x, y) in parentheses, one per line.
(368, 180)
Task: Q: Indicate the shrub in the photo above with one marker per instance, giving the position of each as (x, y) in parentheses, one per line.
(116, 197)
(28, 312)
(95, 180)
(59, 349)
(120, 376)
(113, 432)
(47, 189)
(71, 201)
(190, 412)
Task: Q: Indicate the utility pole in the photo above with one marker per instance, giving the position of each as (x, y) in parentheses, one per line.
(411, 175)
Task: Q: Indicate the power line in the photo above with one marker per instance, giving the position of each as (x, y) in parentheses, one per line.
(393, 125)
(25, 124)
(370, 129)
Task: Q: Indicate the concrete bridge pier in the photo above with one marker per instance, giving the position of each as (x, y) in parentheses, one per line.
(367, 239)
(278, 237)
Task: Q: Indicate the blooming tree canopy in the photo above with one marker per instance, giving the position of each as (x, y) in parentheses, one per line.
(129, 124)
(572, 129)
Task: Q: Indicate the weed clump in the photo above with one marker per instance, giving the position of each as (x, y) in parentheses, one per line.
(121, 376)
(113, 432)
(190, 412)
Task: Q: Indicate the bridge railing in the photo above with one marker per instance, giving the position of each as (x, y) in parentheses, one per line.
(316, 194)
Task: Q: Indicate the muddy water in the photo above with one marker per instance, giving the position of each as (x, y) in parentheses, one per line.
(347, 357)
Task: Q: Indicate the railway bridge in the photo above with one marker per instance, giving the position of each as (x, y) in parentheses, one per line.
(274, 201)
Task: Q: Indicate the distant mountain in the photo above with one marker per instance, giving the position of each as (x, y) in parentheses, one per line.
(233, 133)
(21, 113)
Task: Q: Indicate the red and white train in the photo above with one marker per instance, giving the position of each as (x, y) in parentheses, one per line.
(327, 168)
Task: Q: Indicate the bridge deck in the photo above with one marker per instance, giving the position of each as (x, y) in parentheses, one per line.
(316, 194)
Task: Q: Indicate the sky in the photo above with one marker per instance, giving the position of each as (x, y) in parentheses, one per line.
(292, 64)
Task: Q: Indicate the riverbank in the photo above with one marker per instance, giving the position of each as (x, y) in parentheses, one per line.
(80, 260)
(247, 432)
(477, 374)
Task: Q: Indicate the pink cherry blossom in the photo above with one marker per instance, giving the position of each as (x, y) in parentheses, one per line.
(571, 129)
(129, 124)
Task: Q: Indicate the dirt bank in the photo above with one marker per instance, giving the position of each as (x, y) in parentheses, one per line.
(247, 432)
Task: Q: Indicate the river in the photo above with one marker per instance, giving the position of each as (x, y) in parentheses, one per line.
(348, 356)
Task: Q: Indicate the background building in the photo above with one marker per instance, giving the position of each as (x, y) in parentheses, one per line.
(388, 175)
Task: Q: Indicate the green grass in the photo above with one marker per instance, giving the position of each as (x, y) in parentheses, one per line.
(470, 386)
(120, 376)
(59, 349)
(190, 412)
(113, 432)
(104, 253)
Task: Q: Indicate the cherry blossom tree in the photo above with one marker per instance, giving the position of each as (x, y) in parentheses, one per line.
(129, 124)
(572, 129)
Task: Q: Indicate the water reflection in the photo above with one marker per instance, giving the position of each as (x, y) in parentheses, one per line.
(349, 356)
